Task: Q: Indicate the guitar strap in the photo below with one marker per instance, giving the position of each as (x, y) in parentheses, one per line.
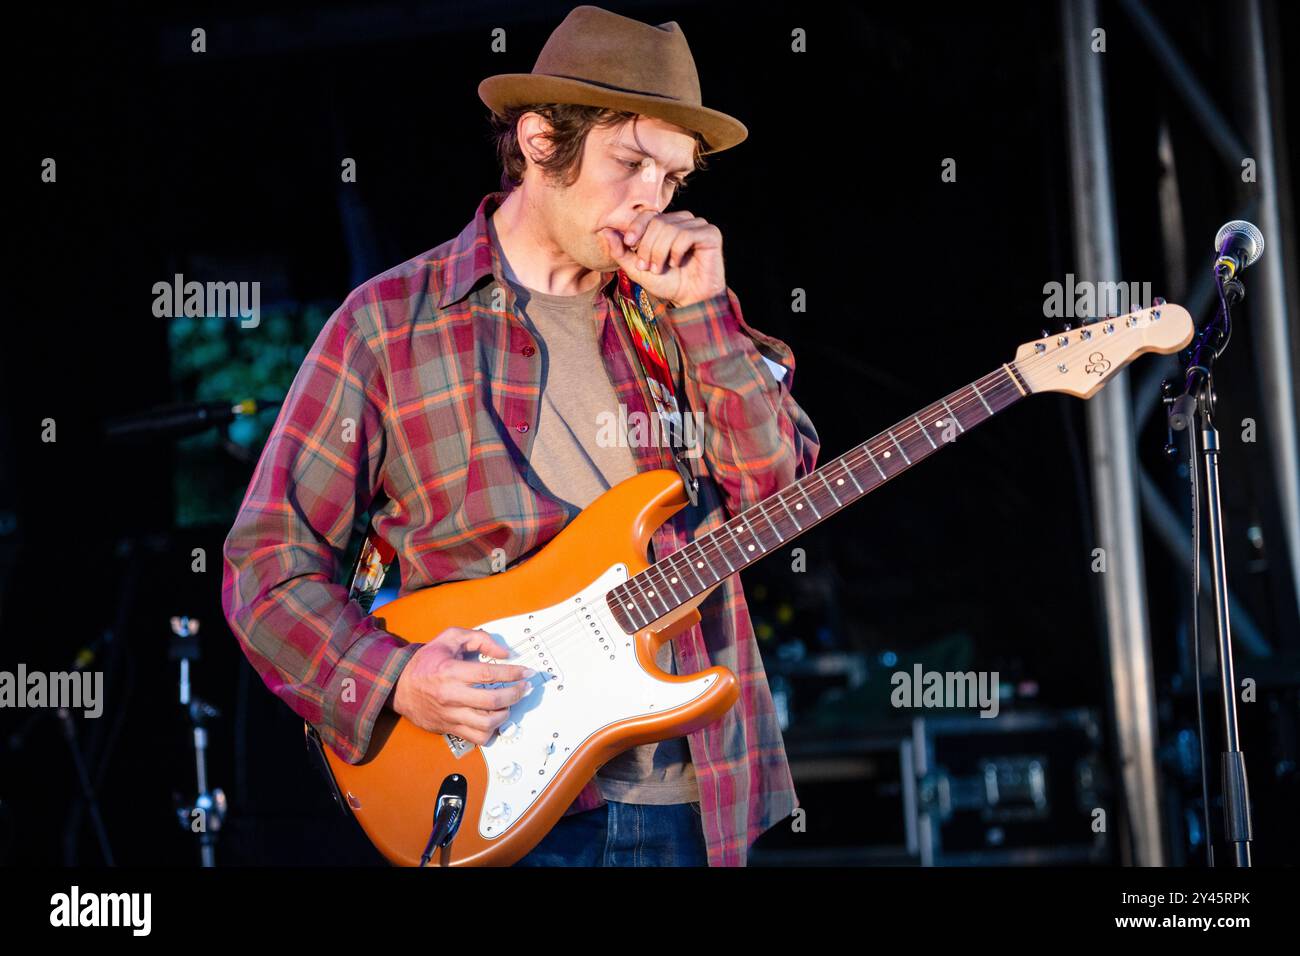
(647, 342)
(370, 568)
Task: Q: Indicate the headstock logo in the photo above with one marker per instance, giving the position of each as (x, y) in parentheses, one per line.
(1097, 363)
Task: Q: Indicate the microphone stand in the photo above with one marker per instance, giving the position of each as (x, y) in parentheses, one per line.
(208, 811)
(1197, 402)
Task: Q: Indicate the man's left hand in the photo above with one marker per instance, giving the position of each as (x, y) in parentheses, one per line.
(674, 256)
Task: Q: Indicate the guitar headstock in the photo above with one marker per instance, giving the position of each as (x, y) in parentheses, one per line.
(1080, 361)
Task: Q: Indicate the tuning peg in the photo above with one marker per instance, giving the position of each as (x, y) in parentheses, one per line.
(1045, 334)
(1158, 301)
(1067, 327)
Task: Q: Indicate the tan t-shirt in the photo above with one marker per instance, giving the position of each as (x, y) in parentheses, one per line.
(569, 463)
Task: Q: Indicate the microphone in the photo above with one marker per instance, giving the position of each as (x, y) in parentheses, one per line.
(1237, 245)
(177, 421)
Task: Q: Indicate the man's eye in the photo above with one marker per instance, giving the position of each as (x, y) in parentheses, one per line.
(637, 164)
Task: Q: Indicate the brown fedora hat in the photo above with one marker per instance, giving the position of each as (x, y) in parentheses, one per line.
(599, 58)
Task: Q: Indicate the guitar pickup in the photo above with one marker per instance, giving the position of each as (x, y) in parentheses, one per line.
(530, 651)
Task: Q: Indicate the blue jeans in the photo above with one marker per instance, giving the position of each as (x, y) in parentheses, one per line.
(624, 834)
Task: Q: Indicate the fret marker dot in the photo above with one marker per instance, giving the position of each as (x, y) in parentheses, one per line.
(672, 580)
(699, 564)
(798, 506)
(839, 481)
(650, 594)
(631, 607)
(887, 454)
(751, 547)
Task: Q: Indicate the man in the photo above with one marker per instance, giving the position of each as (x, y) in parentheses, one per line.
(459, 399)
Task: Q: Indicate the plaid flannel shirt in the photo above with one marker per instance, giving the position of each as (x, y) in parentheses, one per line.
(418, 401)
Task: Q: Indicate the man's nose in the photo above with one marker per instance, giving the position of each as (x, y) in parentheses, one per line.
(647, 193)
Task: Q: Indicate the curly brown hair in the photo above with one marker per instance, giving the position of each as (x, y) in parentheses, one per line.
(570, 123)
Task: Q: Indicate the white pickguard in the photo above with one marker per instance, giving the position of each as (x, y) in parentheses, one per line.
(583, 684)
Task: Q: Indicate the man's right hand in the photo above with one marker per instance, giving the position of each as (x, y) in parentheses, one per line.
(435, 689)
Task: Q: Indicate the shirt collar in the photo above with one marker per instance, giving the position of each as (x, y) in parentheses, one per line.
(473, 255)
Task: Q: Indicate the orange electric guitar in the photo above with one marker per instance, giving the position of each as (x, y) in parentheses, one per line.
(588, 613)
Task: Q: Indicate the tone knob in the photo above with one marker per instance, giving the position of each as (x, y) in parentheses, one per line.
(499, 810)
(509, 772)
(509, 730)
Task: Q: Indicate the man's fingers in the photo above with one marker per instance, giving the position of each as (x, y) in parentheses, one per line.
(618, 250)
(497, 698)
(454, 638)
(695, 235)
(484, 720)
(637, 227)
(473, 732)
(681, 245)
(483, 643)
(668, 238)
(478, 672)
(660, 243)
(646, 243)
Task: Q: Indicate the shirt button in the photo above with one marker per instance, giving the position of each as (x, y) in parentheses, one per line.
(521, 426)
(528, 350)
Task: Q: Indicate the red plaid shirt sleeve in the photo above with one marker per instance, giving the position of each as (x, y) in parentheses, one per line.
(315, 649)
(757, 439)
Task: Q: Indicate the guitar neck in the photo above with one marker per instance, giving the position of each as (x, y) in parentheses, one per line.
(774, 521)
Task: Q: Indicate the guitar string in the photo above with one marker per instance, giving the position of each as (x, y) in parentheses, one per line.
(1004, 384)
(562, 637)
(638, 586)
(562, 632)
(711, 547)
